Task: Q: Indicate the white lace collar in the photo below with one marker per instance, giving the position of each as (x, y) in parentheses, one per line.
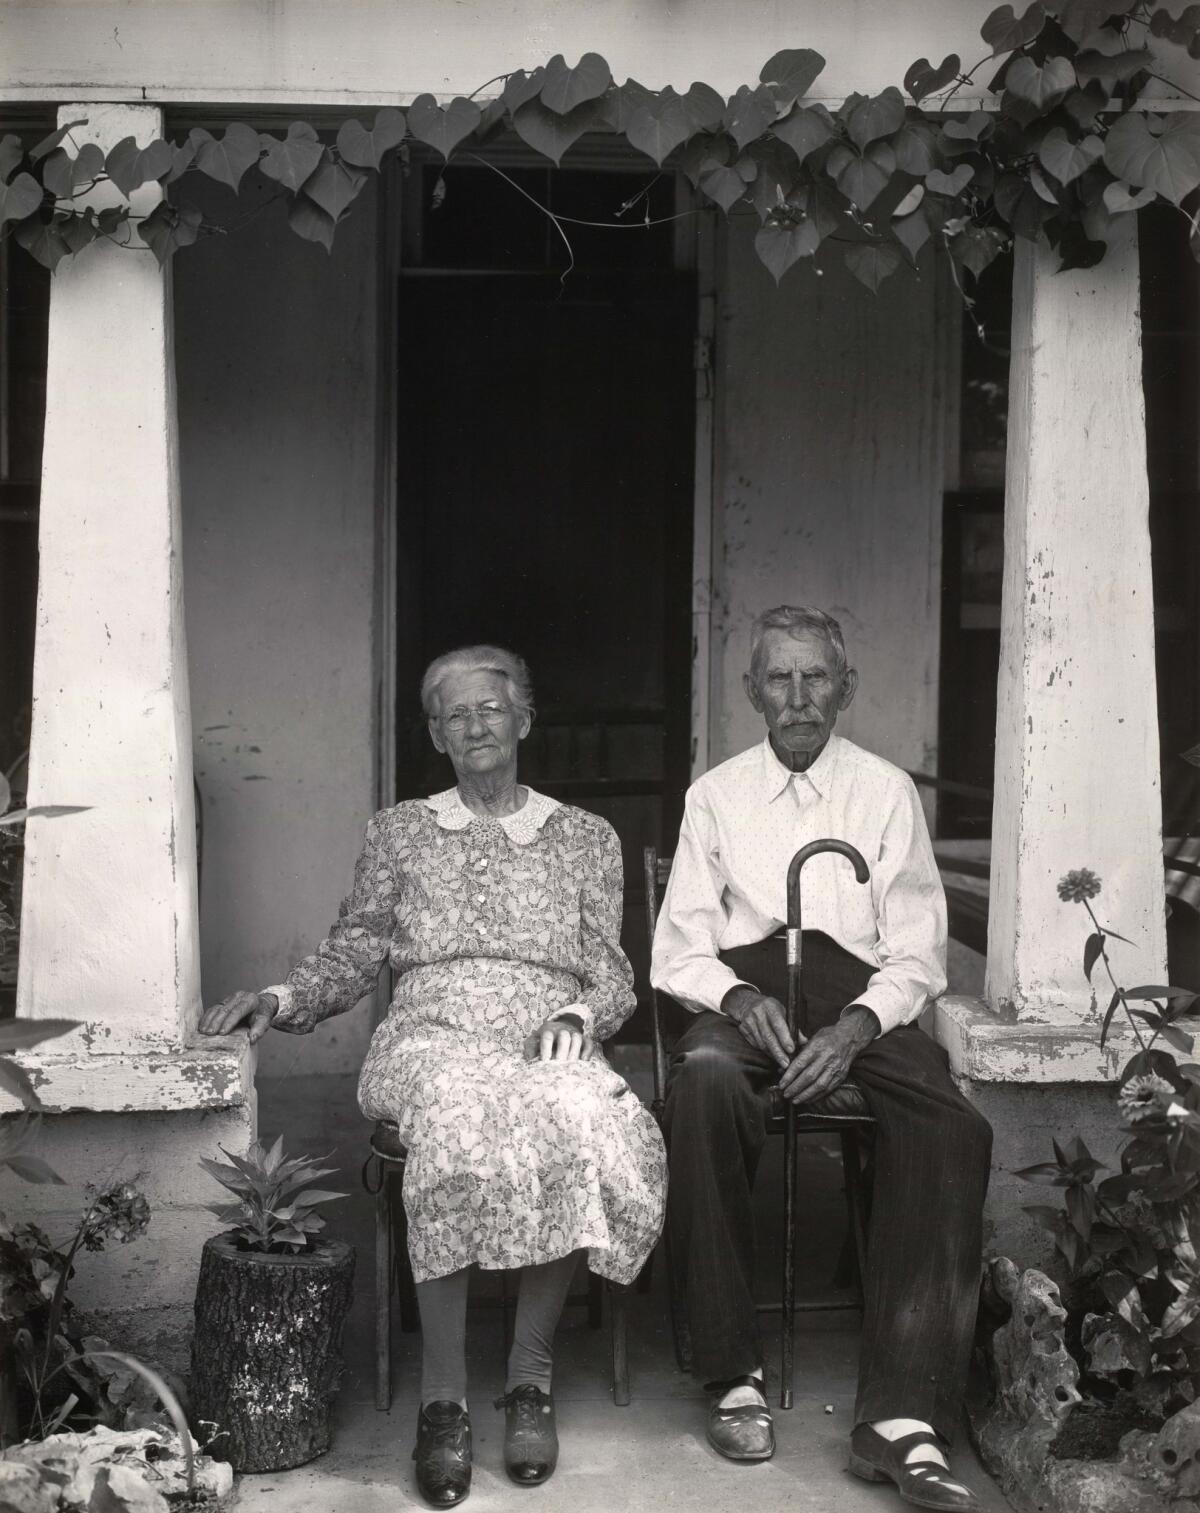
(522, 827)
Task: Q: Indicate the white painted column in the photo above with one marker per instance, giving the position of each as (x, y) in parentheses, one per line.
(1077, 761)
(109, 920)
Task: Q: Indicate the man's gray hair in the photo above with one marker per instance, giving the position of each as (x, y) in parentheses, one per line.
(795, 619)
(505, 664)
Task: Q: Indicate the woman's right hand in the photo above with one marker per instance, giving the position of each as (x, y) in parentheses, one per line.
(254, 1010)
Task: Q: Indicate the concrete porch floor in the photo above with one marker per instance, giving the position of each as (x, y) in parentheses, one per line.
(648, 1456)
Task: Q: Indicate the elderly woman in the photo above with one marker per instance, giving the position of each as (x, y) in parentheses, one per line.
(499, 911)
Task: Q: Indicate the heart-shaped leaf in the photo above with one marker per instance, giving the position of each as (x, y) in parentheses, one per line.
(168, 228)
(228, 159)
(1120, 197)
(877, 117)
(872, 262)
(949, 184)
(549, 133)
(658, 130)
(1065, 159)
(183, 155)
(773, 186)
(442, 129)
(923, 79)
(130, 166)
(522, 86)
(1020, 206)
(81, 229)
(749, 113)
(624, 102)
(1081, 18)
(1004, 31)
(915, 146)
(1156, 154)
(15, 1081)
(565, 89)
(973, 129)
(63, 175)
(976, 247)
(791, 73)
(779, 246)
(11, 153)
(807, 128)
(48, 144)
(20, 198)
(705, 107)
(334, 186)
(33, 1169)
(862, 179)
(1112, 68)
(311, 222)
(1084, 105)
(912, 232)
(728, 185)
(1039, 87)
(910, 201)
(291, 160)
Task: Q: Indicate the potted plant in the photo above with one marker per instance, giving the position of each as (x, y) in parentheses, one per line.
(271, 1303)
(1096, 1377)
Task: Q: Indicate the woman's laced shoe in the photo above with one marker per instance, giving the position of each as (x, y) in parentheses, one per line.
(924, 1483)
(530, 1434)
(443, 1453)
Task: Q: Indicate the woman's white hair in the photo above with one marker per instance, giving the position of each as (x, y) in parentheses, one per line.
(505, 664)
(796, 619)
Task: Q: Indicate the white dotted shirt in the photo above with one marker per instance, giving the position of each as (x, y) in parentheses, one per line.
(742, 824)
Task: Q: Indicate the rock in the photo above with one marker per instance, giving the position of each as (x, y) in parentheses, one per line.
(23, 1491)
(92, 1469)
(1176, 1452)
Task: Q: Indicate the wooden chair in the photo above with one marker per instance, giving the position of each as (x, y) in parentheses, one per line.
(383, 1177)
(849, 1118)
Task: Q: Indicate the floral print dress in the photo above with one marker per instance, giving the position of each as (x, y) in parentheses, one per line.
(492, 926)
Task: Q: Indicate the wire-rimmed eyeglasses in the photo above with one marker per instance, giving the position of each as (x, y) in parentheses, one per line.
(460, 715)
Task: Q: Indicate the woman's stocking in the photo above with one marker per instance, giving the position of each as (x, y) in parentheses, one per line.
(443, 1306)
(543, 1292)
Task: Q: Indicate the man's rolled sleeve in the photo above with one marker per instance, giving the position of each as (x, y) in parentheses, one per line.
(910, 906)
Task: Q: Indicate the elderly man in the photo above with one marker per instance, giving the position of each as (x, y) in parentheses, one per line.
(874, 957)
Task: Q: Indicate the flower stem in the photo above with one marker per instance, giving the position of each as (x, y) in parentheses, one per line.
(1120, 992)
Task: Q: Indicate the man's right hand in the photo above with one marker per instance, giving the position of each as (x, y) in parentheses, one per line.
(762, 1020)
(254, 1010)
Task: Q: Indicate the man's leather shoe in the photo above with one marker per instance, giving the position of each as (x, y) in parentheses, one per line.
(530, 1434)
(743, 1433)
(443, 1453)
(924, 1483)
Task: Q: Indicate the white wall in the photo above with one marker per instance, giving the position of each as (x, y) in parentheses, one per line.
(387, 51)
(828, 486)
(276, 360)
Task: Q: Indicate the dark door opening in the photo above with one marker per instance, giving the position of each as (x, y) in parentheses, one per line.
(545, 490)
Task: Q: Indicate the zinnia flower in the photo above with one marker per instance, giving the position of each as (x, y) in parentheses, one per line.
(1078, 886)
(1145, 1097)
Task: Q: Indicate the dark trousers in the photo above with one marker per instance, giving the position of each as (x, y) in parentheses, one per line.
(932, 1157)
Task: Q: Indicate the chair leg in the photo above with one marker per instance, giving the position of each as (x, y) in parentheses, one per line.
(383, 1297)
(410, 1320)
(595, 1300)
(618, 1298)
(645, 1277)
(681, 1336)
(856, 1204)
(787, 1324)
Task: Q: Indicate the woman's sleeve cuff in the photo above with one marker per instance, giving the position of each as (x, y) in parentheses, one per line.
(580, 1013)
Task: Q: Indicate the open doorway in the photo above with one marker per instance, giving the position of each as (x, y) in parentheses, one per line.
(545, 476)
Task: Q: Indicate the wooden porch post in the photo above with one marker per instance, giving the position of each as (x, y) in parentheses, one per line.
(109, 927)
(1077, 760)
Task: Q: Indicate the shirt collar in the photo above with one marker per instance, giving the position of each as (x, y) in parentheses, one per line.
(522, 827)
(776, 776)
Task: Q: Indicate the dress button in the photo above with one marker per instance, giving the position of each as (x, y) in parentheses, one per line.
(481, 898)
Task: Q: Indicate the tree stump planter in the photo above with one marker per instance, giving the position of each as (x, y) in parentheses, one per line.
(1032, 1426)
(266, 1354)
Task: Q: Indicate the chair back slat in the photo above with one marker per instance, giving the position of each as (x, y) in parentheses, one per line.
(655, 871)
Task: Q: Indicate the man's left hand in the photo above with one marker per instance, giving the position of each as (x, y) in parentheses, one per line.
(824, 1061)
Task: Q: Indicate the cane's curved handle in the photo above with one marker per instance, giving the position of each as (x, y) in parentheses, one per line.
(852, 854)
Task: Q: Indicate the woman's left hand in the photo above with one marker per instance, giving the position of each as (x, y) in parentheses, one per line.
(559, 1040)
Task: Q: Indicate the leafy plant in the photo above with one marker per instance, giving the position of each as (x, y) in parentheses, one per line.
(275, 1204)
(1128, 1240)
(1063, 155)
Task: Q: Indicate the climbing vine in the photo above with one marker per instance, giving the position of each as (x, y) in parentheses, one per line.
(1062, 155)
